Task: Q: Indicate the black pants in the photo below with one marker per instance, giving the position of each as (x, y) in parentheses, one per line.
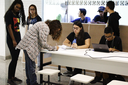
(14, 54)
(76, 70)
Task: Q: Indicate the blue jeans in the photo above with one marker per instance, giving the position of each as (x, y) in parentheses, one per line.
(38, 60)
(30, 70)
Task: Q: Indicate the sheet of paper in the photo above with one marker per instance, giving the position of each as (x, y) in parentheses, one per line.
(64, 47)
(94, 54)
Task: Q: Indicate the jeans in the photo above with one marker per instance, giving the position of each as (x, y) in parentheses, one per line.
(38, 60)
(30, 70)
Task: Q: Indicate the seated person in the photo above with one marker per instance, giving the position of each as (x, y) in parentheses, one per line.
(114, 43)
(77, 39)
(82, 18)
(99, 19)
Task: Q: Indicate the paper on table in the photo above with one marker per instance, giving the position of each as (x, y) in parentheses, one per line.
(94, 54)
(64, 47)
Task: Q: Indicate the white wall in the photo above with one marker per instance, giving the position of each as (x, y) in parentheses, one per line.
(4, 4)
(74, 9)
(2, 32)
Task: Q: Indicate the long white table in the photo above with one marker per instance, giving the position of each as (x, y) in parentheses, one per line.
(116, 63)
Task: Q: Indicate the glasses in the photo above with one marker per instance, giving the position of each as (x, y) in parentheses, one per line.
(32, 9)
(108, 36)
(18, 7)
(76, 28)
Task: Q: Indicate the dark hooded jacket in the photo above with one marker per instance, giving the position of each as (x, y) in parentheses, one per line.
(113, 21)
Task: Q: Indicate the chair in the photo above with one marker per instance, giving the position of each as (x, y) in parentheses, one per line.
(116, 82)
(49, 72)
(84, 79)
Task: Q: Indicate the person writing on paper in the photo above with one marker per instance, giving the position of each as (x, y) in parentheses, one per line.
(77, 39)
(114, 43)
(32, 18)
(34, 40)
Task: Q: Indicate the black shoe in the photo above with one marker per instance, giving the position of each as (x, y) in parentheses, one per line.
(16, 79)
(106, 81)
(11, 82)
(96, 79)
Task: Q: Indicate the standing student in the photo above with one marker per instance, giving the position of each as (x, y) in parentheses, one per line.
(77, 39)
(31, 20)
(82, 15)
(115, 44)
(113, 19)
(33, 16)
(34, 40)
(12, 20)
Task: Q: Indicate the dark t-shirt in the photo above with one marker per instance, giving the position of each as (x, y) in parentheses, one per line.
(115, 43)
(33, 20)
(86, 20)
(14, 20)
(71, 37)
(98, 18)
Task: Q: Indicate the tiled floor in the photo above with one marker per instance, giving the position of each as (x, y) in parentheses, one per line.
(20, 73)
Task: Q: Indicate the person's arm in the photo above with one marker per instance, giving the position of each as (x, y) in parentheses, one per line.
(12, 35)
(118, 46)
(38, 18)
(87, 44)
(43, 37)
(99, 22)
(113, 49)
(78, 19)
(88, 20)
(26, 28)
(105, 16)
(67, 42)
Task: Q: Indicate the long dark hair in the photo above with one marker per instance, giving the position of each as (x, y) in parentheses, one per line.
(29, 10)
(80, 36)
(21, 13)
(55, 29)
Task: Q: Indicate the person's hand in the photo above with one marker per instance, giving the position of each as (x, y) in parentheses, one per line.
(105, 10)
(14, 43)
(112, 49)
(98, 22)
(74, 45)
(57, 47)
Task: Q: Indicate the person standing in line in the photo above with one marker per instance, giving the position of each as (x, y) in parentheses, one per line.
(12, 21)
(31, 20)
(82, 14)
(33, 16)
(34, 40)
(113, 19)
(77, 39)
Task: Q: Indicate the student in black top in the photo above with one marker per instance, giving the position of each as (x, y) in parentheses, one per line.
(33, 16)
(77, 39)
(113, 19)
(12, 21)
(115, 44)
